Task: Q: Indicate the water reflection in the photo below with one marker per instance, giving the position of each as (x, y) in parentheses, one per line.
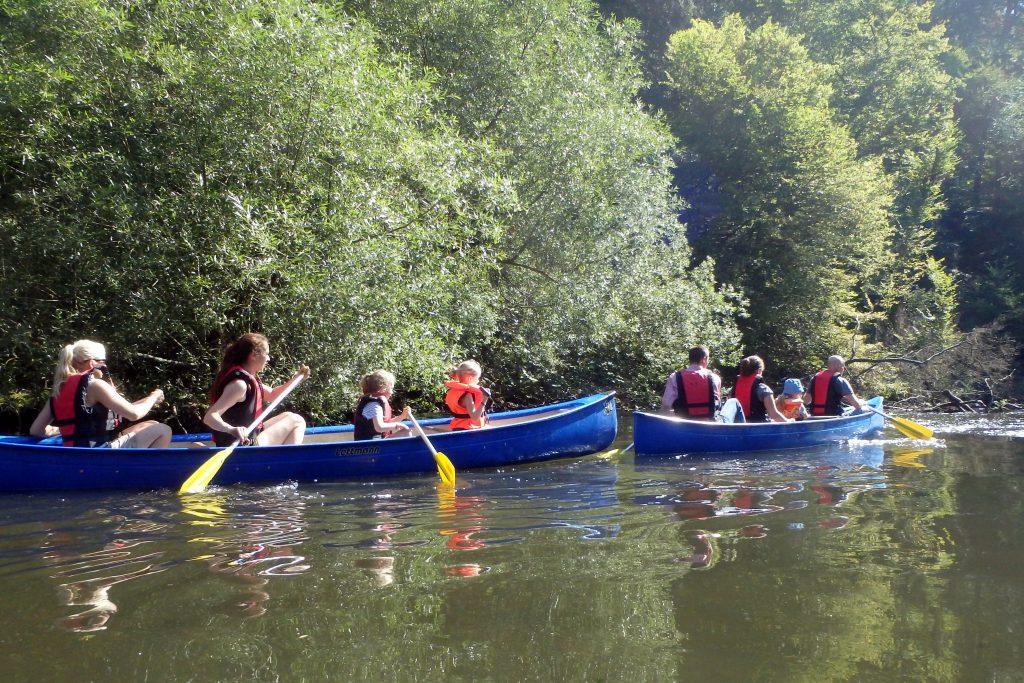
(461, 518)
(250, 538)
(91, 575)
(833, 566)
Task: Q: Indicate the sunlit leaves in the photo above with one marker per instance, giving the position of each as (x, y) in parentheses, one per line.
(803, 221)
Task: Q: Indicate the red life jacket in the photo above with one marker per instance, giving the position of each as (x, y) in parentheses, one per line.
(452, 398)
(245, 411)
(745, 392)
(364, 428)
(81, 424)
(825, 400)
(697, 394)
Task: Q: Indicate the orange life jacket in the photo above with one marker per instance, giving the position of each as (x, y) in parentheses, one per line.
(462, 419)
(825, 400)
(791, 407)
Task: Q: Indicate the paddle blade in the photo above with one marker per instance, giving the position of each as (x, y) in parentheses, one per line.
(201, 478)
(445, 469)
(912, 429)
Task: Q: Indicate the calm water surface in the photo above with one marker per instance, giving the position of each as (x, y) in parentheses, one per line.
(880, 560)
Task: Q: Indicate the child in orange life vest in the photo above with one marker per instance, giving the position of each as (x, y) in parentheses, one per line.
(465, 399)
(791, 403)
(373, 418)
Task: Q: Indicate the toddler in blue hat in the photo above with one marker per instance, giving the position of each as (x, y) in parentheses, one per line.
(791, 402)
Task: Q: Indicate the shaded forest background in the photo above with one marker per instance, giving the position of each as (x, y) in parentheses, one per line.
(573, 193)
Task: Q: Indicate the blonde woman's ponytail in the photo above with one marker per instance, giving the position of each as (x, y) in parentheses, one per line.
(64, 367)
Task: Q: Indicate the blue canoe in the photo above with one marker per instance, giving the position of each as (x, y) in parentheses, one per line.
(573, 428)
(667, 435)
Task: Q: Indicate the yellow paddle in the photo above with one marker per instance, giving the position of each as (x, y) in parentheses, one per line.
(201, 478)
(445, 468)
(906, 427)
(615, 451)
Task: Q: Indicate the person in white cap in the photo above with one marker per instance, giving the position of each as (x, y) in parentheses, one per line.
(86, 408)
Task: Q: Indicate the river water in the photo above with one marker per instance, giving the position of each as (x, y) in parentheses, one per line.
(880, 560)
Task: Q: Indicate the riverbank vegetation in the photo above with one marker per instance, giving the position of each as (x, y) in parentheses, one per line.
(568, 194)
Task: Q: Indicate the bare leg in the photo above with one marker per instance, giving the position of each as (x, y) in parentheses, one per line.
(286, 428)
(148, 434)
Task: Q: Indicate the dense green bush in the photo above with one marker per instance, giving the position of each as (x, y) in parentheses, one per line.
(175, 173)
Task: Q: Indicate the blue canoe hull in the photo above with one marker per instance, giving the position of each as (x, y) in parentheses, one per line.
(667, 435)
(573, 428)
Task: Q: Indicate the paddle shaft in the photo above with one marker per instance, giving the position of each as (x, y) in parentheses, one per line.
(204, 474)
(423, 435)
(445, 468)
(295, 381)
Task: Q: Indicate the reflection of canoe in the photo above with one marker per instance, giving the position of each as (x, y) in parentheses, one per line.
(577, 427)
(664, 435)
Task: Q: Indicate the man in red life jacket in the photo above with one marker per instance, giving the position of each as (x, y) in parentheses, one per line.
(693, 392)
(828, 390)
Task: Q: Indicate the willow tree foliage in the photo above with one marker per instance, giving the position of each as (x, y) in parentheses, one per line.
(176, 173)
(594, 285)
(803, 224)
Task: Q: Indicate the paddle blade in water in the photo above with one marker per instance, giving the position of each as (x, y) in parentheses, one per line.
(912, 429)
(201, 478)
(445, 469)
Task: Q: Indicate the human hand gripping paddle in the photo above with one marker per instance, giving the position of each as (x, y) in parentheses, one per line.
(445, 468)
(906, 427)
(202, 477)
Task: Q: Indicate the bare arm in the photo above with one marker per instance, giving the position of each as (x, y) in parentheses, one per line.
(104, 394)
(851, 399)
(234, 392)
(395, 425)
(668, 397)
(773, 410)
(475, 412)
(41, 425)
(273, 393)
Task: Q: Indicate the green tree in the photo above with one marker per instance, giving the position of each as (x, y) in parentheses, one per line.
(803, 224)
(594, 288)
(176, 173)
(892, 88)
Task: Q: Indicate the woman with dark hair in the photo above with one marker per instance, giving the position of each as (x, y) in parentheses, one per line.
(754, 394)
(238, 395)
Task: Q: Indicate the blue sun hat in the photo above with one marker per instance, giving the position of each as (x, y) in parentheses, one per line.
(793, 386)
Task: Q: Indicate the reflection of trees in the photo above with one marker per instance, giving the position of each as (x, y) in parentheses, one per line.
(826, 601)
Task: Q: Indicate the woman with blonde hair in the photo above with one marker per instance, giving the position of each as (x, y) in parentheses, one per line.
(85, 407)
(238, 395)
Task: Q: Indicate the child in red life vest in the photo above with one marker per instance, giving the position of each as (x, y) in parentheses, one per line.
(465, 398)
(373, 418)
(791, 403)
